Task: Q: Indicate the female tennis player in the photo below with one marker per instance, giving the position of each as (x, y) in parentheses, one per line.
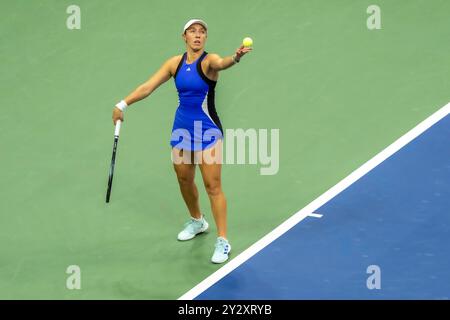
(197, 133)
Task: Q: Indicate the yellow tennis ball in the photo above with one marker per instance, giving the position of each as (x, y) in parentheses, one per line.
(247, 42)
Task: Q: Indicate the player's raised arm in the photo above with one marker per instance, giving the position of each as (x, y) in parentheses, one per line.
(145, 89)
(218, 63)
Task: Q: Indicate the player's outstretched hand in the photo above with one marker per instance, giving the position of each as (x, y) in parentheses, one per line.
(241, 51)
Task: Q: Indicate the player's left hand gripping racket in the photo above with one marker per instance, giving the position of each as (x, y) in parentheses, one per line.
(113, 160)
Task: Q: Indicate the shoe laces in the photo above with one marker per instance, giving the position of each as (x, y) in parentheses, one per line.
(191, 224)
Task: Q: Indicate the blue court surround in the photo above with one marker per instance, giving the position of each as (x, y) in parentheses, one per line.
(397, 217)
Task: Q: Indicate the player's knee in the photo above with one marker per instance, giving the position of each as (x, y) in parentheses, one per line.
(185, 179)
(213, 188)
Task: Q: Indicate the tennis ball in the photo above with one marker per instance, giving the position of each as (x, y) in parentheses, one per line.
(247, 42)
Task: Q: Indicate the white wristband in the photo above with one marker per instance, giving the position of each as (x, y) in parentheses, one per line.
(122, 105)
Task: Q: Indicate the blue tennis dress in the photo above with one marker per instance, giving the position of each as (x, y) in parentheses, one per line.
(196, 125)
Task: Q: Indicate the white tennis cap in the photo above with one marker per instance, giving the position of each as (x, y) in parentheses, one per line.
(192, 21)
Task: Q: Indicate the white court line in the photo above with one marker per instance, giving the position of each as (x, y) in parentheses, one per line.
(317, 203)
(315, 215)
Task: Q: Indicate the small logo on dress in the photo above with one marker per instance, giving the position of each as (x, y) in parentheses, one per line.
(188, 69)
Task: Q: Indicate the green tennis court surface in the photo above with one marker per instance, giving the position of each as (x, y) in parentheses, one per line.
(338, 92)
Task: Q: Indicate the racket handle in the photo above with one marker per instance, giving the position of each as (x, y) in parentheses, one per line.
(116, 132)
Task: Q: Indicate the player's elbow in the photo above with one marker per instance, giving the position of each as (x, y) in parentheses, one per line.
(218, 63)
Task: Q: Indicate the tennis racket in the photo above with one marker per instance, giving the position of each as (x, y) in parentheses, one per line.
(113, 160)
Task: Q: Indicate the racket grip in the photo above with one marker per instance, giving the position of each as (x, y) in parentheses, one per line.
(116, 132)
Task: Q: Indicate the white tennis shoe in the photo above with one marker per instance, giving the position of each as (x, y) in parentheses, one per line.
(223, 248)
(193, 228)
